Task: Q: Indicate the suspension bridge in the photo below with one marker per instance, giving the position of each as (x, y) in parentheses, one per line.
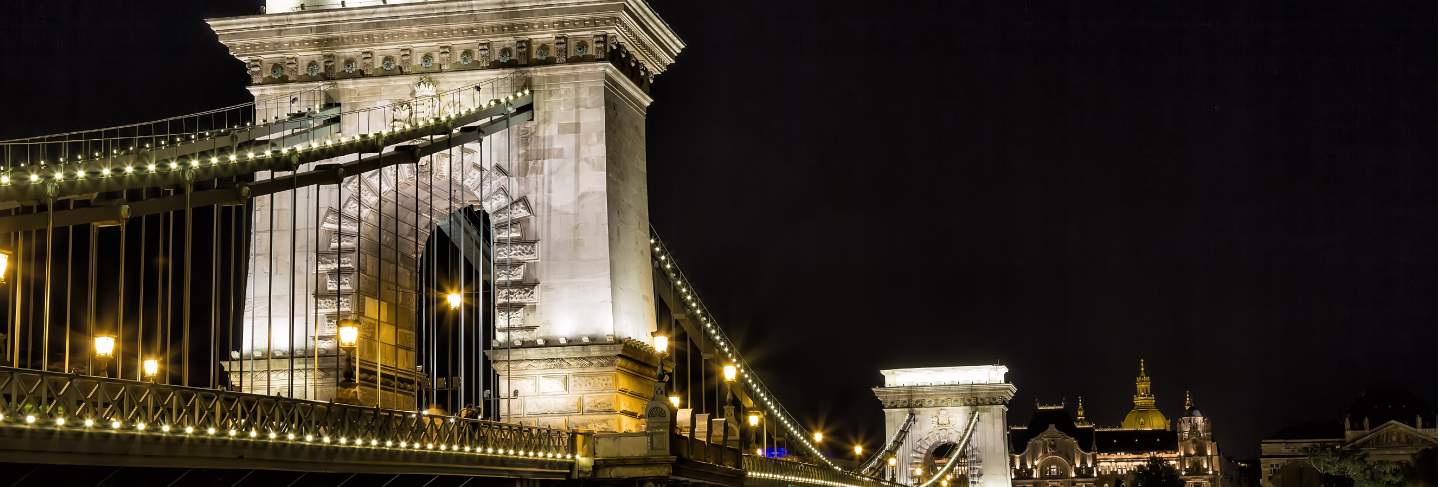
(419, 255)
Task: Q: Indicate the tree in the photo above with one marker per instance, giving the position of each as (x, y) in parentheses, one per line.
(1156, 473)
(1421, 469)
(1356, 466)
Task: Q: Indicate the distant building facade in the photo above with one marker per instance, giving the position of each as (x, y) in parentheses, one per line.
(1387, 425)
(1060, 450)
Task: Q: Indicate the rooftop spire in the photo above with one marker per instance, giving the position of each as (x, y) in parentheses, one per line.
(1144, 415)
(1188, 404)
(1080, 411)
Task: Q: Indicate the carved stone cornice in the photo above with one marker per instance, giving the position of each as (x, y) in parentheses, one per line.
(944, 396)
(449, 27)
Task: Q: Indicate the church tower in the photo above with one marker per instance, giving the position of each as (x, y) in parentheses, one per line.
(1199, 454)
(1143, 414)
(565, 194)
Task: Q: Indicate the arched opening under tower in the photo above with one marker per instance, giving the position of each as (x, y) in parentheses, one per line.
(455, 316)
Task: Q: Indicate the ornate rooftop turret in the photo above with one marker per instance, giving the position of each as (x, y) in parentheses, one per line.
(1143, 414)
(1080, 412)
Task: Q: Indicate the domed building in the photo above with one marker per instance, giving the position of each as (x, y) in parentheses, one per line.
(1060, 450)
(1143, 415)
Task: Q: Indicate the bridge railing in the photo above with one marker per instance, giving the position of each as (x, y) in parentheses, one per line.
(37, 399)
(762, 470)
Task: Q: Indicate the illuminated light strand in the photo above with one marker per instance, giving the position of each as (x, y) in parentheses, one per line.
(215, 159)
(660, 253)
(31, 420)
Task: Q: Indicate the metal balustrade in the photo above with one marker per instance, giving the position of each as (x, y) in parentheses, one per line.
(771, 471)
(55, 401)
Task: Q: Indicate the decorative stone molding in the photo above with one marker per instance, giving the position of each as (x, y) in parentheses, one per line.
(555, 363)
(520, 250)
(515, 294)
(515, 210)
(510, 272)
(944, 402)
(538, 35)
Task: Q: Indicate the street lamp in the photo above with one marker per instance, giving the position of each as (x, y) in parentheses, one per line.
(104, 346)
(675, 401)
(662, 343)
(728, 372)
(754, 419)
(858, 451)
(818, 437)
(4, 263)
(104, 350)
(151, 367)
(891, 463)
(349, 334)
(455, 300)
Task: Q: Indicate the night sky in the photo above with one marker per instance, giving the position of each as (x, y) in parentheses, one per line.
(1242, 193)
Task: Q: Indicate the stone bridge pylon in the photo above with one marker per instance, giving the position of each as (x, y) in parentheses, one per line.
(565, 194)
(943, 399)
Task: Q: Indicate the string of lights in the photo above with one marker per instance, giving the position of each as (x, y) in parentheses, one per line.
(890, 447)
(104, 165)
(715, 334)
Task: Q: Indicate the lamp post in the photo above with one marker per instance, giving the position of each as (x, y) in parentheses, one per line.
(891, 463)
(454, 299)
(349, 332)
(754, 420)
(151, 368)
(4, 278)
(728, 372)
(662, 347)
(4, 264)
(858, 451)
(104, 350)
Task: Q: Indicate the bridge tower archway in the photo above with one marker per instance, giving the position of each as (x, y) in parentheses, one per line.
(566, 191)
(943, 401)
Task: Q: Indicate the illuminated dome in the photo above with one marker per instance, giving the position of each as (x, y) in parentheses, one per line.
(1144, 416)
(1145, 419)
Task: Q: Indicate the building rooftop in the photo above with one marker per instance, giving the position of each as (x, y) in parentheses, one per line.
(936, 376)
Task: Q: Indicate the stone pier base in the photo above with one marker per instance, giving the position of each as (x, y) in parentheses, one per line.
(589, 387)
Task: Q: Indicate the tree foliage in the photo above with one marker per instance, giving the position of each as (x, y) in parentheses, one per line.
(1156, 473)
(1356, 465)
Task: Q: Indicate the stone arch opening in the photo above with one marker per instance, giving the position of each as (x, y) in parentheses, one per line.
(455, 312)
(939, 453)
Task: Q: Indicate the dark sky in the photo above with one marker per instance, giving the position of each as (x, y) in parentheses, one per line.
(1243, 193)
